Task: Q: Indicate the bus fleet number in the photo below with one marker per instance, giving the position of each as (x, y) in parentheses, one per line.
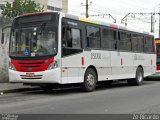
(95, 56)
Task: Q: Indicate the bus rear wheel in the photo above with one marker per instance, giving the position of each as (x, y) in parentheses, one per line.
(90, 80)
(138, 79)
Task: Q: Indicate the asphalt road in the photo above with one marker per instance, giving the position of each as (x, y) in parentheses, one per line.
(118, 98)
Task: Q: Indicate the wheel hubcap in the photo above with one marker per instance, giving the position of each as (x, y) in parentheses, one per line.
(139, 76)
(90, 80)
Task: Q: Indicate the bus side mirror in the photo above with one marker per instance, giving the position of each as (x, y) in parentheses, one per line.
(2, 38)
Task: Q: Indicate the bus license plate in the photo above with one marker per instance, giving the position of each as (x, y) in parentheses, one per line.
(30, 74)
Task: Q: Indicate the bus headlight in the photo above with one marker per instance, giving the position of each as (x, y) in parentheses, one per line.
(53, 65)
(11, 66)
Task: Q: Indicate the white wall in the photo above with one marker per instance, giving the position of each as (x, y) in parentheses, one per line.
(55, 3)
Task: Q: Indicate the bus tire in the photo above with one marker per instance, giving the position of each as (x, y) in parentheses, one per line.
(138, 78)
(90, 80)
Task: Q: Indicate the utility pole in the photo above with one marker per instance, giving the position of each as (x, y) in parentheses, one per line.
(159, 20)
(87, 7)
(159, 24)
(152, 22)
(152, 18)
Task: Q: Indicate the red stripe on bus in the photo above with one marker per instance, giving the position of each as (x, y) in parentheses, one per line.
(82, 60)
(35, 13)
(121, 61)
(32, 65)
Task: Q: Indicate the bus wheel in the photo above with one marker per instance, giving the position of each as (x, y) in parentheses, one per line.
(139, 77)
(90, 80)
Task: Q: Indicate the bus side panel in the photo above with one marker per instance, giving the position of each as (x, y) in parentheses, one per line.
(100, 59)
(143, 60)
(71, 69)
(127, 59)
(122, 65)
(153, 64)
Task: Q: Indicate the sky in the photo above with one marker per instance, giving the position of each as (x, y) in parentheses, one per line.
(118, 9)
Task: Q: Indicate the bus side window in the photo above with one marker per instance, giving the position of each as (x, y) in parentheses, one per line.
(93, 37)
(64, 37)
(71, 38)
(109, 37)
(158, 51)
(71, 41)
(76, 38)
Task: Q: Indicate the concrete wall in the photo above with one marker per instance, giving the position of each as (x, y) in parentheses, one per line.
(4, 50)
(64, 4)
(42, 3)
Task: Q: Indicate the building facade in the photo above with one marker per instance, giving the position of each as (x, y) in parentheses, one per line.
(2, 4)
(58, 5)
(49, 5)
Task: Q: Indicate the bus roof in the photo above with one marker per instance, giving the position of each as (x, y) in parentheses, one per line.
(88, 20)
(104, 23)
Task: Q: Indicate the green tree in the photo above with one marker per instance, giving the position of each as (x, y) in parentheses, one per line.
(20, 7)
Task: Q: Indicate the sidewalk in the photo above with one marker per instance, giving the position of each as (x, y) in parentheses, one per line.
(18, 87)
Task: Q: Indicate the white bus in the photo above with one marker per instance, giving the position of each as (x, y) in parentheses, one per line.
(52, 48)
(157, 74)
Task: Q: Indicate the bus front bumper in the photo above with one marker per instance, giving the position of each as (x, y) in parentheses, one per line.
(48, 76)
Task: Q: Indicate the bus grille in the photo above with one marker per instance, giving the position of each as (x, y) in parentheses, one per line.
(31, 77)
(32, 65)
(29, 64)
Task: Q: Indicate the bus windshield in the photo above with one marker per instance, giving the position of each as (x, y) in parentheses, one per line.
(33, 39)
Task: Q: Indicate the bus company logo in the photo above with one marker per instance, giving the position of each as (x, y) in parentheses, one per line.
(30, 69)
(95, 56)
(138, 57)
